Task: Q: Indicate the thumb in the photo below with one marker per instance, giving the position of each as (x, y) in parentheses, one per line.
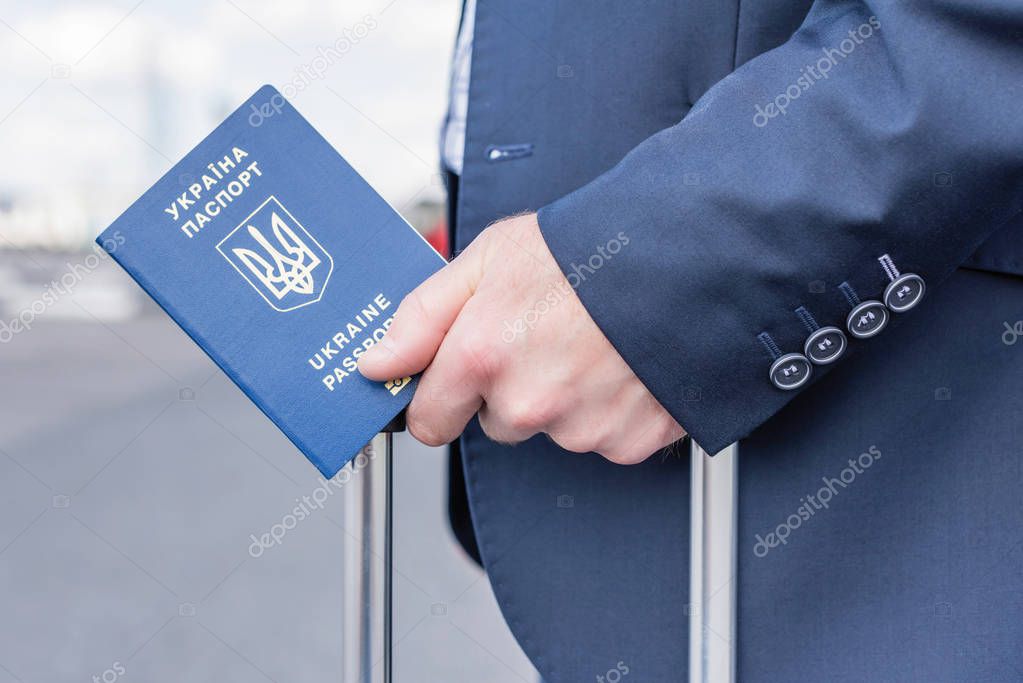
(421, 322)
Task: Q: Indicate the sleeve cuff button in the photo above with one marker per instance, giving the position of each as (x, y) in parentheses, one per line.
(867, 319)
(791, 371)
(825, 345)
(904, 292)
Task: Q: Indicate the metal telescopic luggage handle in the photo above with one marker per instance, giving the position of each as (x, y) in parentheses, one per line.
(367, 649)
(713, 561)
(368, 585)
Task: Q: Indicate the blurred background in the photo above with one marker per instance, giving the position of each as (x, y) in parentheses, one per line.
(128, 497)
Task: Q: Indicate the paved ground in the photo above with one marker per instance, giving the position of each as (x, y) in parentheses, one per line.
(132, 473)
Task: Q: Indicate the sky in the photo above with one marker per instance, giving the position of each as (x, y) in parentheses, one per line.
(100, 98)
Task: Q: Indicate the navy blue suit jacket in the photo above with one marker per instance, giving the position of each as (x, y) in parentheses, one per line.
(755, 155)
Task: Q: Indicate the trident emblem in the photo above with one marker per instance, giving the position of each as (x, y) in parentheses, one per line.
(292, 273)
(278, 257)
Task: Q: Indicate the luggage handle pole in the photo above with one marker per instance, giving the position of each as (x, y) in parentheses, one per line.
(395, 425)
(367, 647)
(713, 562)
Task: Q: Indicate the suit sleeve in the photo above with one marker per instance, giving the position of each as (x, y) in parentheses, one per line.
(879, 128)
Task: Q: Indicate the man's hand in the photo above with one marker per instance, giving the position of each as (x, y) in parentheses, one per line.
(500, 331)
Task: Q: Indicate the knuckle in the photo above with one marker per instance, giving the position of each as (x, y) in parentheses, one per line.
(535, 413)
(517, 420)
(591, 438)
(625, 455)
(524, 416)
(575, 442)
(495, 428)
(494, 433)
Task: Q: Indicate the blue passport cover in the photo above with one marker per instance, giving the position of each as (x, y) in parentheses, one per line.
(284, 265)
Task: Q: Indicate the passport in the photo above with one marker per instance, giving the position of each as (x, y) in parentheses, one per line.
(276, 257)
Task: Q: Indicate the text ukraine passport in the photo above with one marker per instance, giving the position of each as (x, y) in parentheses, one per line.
(284, 265)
